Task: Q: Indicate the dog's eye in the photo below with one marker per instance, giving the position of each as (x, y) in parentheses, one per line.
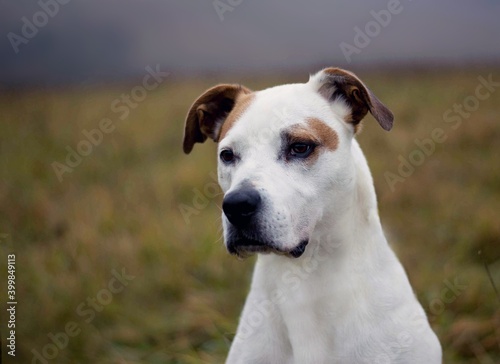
(227, 155)
(301, 150)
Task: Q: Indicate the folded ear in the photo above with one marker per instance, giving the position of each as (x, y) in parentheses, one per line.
(334, 83)
(208, 113)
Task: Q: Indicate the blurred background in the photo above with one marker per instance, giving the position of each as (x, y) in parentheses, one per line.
(116, 233)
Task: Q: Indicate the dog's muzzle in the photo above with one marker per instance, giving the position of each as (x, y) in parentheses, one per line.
(241, 208)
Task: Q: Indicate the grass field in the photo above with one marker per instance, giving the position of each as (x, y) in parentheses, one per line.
(180, 295)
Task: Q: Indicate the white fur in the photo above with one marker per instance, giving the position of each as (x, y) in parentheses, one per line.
(347, 299)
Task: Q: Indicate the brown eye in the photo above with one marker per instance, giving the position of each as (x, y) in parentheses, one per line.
(301, 150)
(227, 155)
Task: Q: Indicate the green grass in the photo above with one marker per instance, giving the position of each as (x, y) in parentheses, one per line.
(120, 208)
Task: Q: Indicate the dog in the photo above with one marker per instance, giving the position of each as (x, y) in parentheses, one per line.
(327, 287)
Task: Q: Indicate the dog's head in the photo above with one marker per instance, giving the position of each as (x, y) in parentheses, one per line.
(284, 155)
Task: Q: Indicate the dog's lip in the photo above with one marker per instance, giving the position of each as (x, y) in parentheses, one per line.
(299, 249)
(252, 242)
(245, 246)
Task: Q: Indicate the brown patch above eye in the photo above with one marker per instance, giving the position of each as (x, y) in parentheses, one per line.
(301, 134)
(241, 104)
(316, 132)
(324, 133)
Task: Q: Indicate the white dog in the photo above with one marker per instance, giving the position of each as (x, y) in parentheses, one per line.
(297, 186)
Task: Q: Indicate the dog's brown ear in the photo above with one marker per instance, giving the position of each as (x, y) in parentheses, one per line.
(208, 113)
(338, 83)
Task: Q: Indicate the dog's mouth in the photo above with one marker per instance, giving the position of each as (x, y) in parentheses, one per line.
(244, 247)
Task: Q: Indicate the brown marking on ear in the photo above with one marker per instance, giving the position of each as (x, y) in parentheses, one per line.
(208, 113)
(242, 103)
(341, 83)
(328, 137)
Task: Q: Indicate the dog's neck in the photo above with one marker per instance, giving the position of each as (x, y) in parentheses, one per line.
(354, 227)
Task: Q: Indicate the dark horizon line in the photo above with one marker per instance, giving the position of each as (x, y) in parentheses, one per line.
(177, 75)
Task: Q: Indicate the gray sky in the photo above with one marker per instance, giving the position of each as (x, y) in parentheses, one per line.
(107, 40)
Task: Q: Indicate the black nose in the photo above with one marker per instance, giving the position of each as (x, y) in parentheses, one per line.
(239, 206)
